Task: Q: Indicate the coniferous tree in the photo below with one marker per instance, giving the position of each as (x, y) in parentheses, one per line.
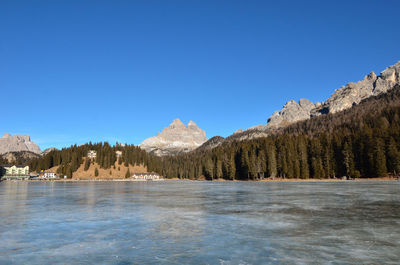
(209, 169)
(261, 164)
(87, 164)
(380, 159)
(128, 174)
(218, 169)
(231, 167)
(303, 156)
(271, 158)
(316, 159)
(68, 171)
(393, 157)
(252, 164)
(348, 159)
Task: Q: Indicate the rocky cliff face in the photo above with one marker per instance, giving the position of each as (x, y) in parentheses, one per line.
(343, 98)
(352, 93)
(291, 112)
(175, 138)
(17, 143)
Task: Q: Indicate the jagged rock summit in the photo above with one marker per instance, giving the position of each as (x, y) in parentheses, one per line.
(17, 143)
(343, 98)
(176, 138)
(291, 112)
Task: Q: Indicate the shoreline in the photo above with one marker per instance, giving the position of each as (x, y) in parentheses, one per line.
(214, 180)
(313, 180)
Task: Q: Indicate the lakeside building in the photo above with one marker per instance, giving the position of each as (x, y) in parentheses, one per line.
(17, 172)
(92, 154)
(48, 175)
(146, 176)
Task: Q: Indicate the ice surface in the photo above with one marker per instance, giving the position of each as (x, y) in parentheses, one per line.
(185, 222)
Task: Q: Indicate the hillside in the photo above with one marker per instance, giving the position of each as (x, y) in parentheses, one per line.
(119, 172)
(114, 172)
(71, 161)
(21, 157)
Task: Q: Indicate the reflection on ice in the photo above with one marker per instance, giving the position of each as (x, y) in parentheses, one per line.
(199, 223)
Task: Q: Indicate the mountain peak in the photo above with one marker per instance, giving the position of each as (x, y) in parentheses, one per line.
(192, 126)
(191, 123)
(17, 143)
(177, 123)
(175, 138)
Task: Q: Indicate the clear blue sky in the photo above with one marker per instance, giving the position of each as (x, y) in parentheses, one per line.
(75, 71)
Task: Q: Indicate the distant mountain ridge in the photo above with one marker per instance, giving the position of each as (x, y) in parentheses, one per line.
(17, 143)
(343, 98)
(48, 150)
(174, 139)
(292, 112)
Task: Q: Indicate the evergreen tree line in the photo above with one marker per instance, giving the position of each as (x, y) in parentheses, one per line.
(371, 152)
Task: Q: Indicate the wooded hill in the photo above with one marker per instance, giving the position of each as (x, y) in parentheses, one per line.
(68, 160)
(363, 141)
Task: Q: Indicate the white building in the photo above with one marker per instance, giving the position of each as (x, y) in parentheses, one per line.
(146, 176)
(92, 154)
(48, 175)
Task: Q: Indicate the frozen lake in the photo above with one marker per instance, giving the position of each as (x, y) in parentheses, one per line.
(184, 222)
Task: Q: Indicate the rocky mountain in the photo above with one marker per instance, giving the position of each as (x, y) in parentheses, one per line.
(48, 150)
(239, 135)
(211, 143)
(176, 138)
(291, 112)
(351, 94)
(17, 143)
(343, 98)
(20, 157)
